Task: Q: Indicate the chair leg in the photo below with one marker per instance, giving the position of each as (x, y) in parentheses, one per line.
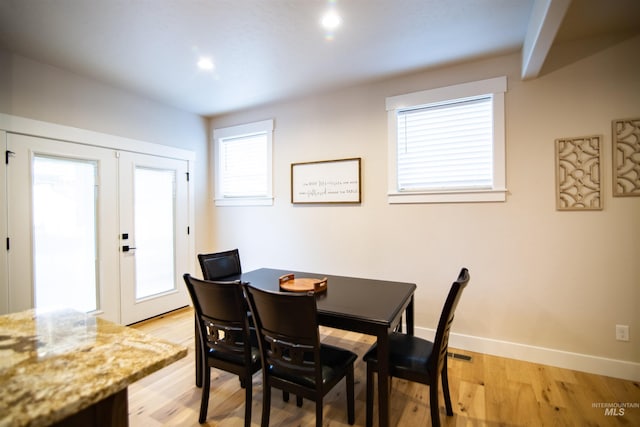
(298, 401)
(445, 390)
(204, 402)
(285, 396)
(433, 401)
(369, 403)
(350, 396)
(247, 401)
(266, 402)
(199, 362)
(319, 412)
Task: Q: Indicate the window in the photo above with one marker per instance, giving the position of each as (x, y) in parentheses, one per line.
(243, 164)
(65, 235)
(447, 144)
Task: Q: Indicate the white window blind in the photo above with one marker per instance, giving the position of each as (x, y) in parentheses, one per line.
(243, 164)
(446, 146)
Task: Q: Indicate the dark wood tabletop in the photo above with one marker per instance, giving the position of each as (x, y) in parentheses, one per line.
(351, 303)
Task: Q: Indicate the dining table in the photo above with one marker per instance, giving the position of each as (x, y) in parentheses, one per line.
(369, 306)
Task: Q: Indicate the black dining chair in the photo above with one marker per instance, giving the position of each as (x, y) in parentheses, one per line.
(416, 359)
(223, 265)
(224, 335)
(293, 359)
(220, 265)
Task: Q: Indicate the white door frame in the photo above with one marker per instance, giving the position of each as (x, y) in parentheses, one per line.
(4, 256)
(31, 127)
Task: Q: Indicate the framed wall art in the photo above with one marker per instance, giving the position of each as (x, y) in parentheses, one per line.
(578, 174)
(626, 157)
(328, 181)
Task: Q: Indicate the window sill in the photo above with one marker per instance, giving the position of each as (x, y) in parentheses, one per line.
(476, 196)
(248, 201)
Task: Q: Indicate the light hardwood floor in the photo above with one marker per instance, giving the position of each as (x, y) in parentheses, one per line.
(487, 391)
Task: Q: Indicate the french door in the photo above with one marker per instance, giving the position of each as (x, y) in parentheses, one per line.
(154, 229)
(68, 207)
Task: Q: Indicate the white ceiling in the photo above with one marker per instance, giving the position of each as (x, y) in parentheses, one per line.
(268, 50)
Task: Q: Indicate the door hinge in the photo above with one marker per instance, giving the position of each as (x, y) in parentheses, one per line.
(187, 176)
(8, 243)
(8, 154)
(188, 230)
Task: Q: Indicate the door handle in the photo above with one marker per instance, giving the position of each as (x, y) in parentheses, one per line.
(127, 248)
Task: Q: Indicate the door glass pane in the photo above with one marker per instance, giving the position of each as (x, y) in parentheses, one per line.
(65, 235)
(154, 218)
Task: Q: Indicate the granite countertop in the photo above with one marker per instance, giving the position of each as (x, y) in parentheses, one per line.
(56, 363)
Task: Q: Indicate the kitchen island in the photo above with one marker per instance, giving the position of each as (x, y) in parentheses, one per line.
(66, 368)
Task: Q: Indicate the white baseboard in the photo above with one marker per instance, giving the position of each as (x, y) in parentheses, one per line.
(546, 356)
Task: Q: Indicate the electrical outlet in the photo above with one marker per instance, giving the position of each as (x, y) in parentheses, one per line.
(622, 332)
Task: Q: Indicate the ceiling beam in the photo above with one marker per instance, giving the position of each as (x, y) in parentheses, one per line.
(546, 17)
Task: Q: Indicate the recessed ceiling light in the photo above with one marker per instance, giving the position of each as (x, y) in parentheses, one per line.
(205, 63)
(331, 20)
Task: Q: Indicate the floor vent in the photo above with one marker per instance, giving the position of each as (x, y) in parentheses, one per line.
(459, 356)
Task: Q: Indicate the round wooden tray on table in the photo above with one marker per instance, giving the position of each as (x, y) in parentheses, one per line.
(288, 282)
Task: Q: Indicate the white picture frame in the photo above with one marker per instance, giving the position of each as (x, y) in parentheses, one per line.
(327, 181)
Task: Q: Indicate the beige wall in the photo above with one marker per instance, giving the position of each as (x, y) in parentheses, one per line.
(542, 278)
(38, 91)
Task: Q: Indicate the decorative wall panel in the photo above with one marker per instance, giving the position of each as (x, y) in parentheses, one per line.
(578, 173)
(626, 157)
